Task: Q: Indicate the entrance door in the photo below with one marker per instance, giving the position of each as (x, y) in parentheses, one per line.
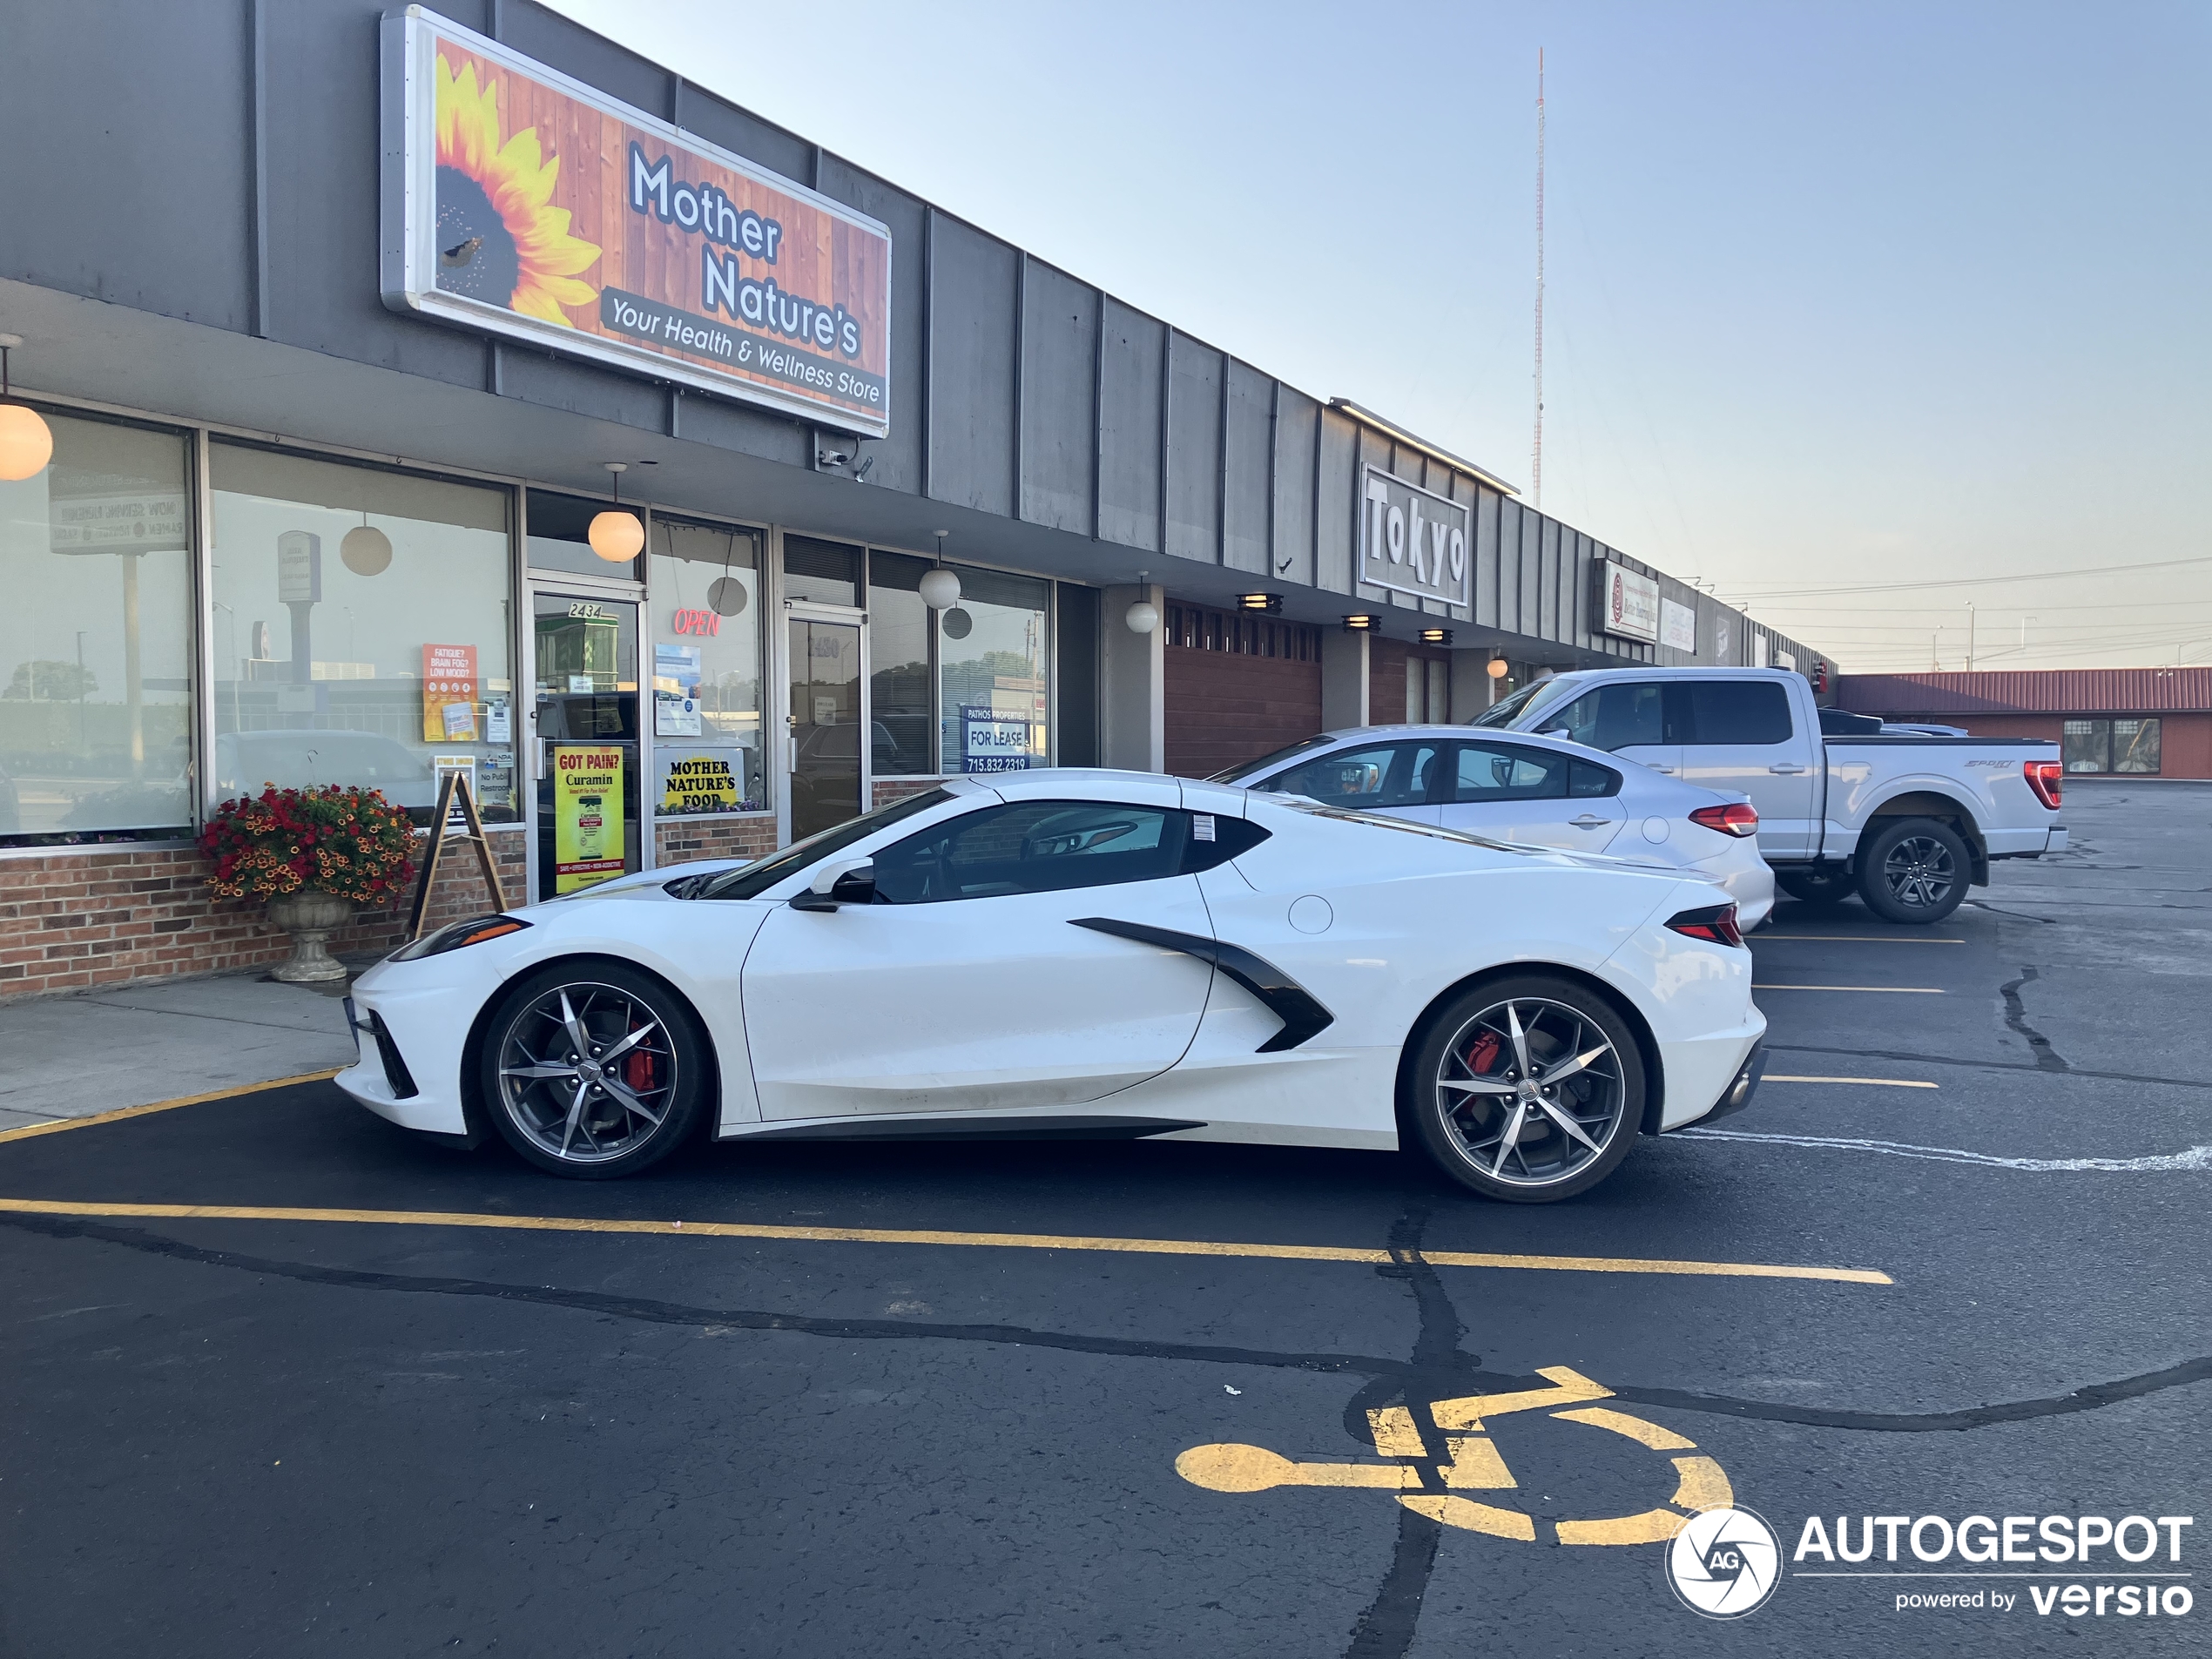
(588, 759)
(825, 756)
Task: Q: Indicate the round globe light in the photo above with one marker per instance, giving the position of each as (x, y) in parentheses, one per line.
(939, 590)
(616, 538)
(1498, 668)
(366, 551)
(1143, 616)
(26, 442)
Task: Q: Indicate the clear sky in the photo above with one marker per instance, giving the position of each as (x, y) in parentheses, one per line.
(1839, 298)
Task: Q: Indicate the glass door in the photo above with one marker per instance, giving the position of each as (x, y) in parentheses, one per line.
(588, 756)
(825, 756)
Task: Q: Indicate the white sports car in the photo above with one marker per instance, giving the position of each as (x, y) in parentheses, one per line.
(1071, 953)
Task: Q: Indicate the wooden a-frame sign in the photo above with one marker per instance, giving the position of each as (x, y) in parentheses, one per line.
(454, 791)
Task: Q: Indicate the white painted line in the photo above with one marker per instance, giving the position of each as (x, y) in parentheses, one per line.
(1882, 1083)
(1859, 939)
(2197, 1157)
(1885, 990)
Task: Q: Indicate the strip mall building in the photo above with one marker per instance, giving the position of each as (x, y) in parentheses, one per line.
(338, 320)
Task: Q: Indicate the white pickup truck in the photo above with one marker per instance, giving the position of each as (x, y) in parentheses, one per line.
(1908, 821)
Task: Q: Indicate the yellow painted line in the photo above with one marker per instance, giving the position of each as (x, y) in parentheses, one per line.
(888, 1236)
(1885, 1083)
(118, 1116)
(1650, 1434)
(1885, 990)
(1861, 939)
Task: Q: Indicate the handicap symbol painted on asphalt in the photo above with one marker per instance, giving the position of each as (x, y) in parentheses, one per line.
(1429, 1473)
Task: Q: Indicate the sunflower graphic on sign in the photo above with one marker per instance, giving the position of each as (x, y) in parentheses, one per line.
(499, 238)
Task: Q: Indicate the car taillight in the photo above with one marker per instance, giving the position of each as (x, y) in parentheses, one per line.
(2044, 777)
(1716, 923)
(1737, 818)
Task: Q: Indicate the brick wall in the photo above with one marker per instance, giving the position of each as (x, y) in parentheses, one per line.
(76, 917)
(888, 790)
(681, 840)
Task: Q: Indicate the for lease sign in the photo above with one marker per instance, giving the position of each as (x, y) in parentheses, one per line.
(521, 202)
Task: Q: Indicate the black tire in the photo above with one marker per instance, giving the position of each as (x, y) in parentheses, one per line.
(1826, 886)
(1914, 870)
(1463, 1132)
(578, 1120)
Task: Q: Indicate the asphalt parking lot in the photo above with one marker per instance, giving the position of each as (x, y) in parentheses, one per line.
(461, 1429)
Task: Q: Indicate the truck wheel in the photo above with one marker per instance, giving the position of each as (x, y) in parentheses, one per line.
(1820, 886)
(1913, 870)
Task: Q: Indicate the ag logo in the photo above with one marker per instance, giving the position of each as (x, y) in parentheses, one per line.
(1724, 1564)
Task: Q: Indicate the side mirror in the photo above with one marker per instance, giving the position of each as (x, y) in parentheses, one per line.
(1559, 731)
(839, 883)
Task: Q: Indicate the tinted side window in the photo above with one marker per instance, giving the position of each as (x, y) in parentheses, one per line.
(1383, 774)
(1591, 779)
(1614, 716)
(1737, 712)
(1494, 771)
(1033, 847)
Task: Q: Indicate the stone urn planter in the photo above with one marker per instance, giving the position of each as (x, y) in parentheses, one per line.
(310, 918)
(313, 856)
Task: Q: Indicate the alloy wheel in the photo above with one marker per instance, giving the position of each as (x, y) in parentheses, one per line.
(1919, 872)
(587, 1072)
(1530, 1092)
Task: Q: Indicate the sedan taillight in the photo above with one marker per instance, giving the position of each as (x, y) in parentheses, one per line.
(1715, 923)
(1737, 818)
(2044, 777)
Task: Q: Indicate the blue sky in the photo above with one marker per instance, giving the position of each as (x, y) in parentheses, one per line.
(1838, 297)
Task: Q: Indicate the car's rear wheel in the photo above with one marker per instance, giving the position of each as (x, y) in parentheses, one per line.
(1820, 886)
(593, 1069)
(1526, 1090)
(1913, 870)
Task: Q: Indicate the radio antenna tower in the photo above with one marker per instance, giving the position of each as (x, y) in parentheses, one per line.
(1536, 453)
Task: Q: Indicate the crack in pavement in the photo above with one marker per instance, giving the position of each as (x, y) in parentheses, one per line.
(1438, 1364)
(2046, 1057)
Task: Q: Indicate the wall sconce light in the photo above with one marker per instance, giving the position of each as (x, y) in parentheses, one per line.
(1436, 636)
(26, 442)
(1269, 602)
(1499, 668)
(1362, 623)
(615, 536)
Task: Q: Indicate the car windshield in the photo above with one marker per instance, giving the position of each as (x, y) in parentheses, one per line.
(755, 879)
(1244, 769)
(1529, 698)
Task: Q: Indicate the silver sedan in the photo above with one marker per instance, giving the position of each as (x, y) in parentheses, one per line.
(1516, 786)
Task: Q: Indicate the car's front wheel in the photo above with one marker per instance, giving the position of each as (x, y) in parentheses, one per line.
(1526, 1090)
(1914, 870)
(593, 1069)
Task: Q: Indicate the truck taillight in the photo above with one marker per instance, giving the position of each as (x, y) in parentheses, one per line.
(1737, 818)
(1714, 923)
(2045, 779)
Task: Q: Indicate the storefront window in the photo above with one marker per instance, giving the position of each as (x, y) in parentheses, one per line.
(992, 681)
(2111, 745)
(96, 636)
(707, 668)
(361, 631)
(899, 670)
(826, 573)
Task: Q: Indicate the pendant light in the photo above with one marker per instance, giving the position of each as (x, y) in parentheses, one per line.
(26, 442)
(1143, 616)
(940, 587)
(366, 551)
(615, 536)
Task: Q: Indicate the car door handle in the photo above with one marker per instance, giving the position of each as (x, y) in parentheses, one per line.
(1587, 822)
(1787, 771)
(1670, 770)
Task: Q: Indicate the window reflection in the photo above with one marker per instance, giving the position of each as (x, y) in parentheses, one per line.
(96, 636)
(992, 650)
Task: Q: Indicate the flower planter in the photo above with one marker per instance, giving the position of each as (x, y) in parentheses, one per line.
(310, 918)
